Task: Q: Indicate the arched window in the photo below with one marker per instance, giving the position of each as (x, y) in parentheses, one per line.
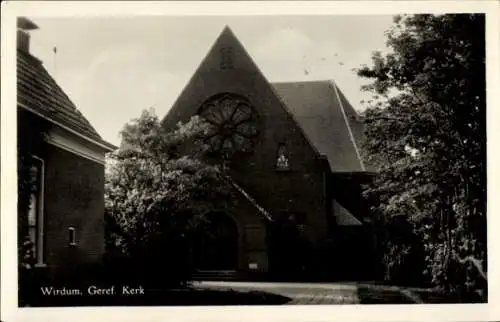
(233, 124)
(282, 160)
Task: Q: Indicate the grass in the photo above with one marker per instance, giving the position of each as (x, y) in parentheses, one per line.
(377, 295)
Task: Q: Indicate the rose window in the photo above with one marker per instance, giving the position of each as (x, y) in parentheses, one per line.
(233, 124)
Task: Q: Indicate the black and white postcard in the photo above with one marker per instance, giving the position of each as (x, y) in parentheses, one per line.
(249, 160)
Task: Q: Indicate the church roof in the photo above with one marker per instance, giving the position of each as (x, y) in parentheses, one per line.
(327, 119)
(319, 108)
(39, 93)
(344, 217)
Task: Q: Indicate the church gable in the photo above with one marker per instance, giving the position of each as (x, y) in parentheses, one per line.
(279, 167)
(221, 71)
(230, 81)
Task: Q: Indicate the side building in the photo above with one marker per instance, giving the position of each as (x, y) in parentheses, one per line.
(61, 167)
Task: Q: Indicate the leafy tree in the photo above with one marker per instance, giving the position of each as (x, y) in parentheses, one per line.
(428, 141)
(157, 190)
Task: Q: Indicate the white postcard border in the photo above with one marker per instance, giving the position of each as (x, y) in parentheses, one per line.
(463, 312)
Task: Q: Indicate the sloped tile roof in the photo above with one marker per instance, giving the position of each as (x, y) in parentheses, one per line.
(327, 119)
(344, 217)
(38, 91)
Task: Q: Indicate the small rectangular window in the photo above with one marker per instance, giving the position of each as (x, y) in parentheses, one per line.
(72, 236)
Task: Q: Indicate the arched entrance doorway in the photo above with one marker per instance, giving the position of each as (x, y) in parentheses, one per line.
(216, 246)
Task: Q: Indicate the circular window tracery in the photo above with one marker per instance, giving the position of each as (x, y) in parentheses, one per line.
(233, 124)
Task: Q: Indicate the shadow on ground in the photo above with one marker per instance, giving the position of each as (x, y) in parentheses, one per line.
(378, 295)
(179, 297)
(436, 297)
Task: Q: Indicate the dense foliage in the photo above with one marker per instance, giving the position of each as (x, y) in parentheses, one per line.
(428, 141)
(157, 192)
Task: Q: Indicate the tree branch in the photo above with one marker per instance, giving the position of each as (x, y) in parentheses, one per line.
(476, 263)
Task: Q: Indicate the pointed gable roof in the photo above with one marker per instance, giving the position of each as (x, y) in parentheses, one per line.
(328, 120)
(319, 108)
(212, 64)
(39, 93)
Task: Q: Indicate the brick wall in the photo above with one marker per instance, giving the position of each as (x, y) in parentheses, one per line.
(74, 196)
(298, 190)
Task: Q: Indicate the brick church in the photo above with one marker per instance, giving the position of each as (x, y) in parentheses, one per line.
(295, 161)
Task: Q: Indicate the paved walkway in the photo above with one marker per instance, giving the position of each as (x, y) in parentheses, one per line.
(322, 293)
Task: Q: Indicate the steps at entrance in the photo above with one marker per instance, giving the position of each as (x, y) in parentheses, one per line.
(229, 275)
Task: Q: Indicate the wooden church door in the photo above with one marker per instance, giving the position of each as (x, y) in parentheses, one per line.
(216, 247)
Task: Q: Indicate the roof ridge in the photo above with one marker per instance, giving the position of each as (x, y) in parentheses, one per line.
(353, 140)
(334, 83)
(306, 81)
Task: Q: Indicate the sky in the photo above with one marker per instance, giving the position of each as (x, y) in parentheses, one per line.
(113, 68)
